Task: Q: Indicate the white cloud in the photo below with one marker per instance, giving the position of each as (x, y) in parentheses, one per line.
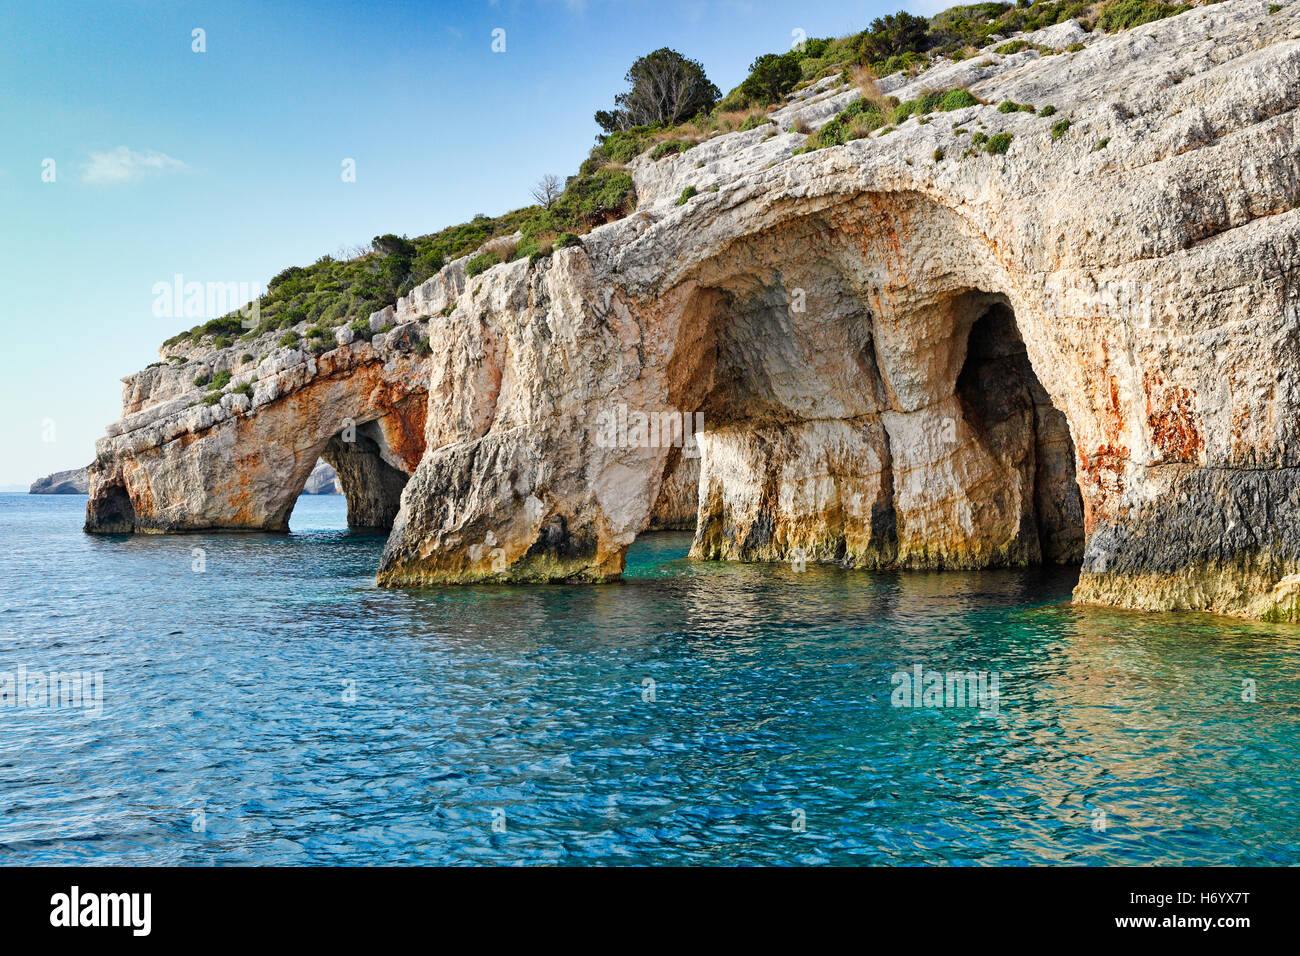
(125, 165)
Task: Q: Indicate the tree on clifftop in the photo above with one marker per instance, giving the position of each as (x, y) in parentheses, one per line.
(893, 34)
(664, 88)
(771, 77)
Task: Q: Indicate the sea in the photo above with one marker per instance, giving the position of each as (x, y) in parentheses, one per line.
(241, 698)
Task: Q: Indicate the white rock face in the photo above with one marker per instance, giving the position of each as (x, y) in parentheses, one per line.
(910, 352)
(173, 462)
(901, 352)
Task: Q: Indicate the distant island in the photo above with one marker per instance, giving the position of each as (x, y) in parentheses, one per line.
(322, 481)
(74, 482)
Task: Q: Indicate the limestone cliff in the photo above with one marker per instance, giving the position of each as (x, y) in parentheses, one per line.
(981, 338)
(238, 457)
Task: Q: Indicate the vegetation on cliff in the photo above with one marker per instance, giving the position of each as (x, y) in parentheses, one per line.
(670, 105)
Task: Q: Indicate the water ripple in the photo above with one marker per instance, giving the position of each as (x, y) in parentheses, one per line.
(279, 708)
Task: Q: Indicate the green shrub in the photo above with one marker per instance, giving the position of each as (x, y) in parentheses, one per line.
(944, 101)
(938, 155)
(481, 263)
(245, 389)
(863, 117)
(1015, 46)
(957, 99)
(899, 63)
(211, 398)
(595, 199)
(529, 247)
(221, 380)
(289, 339)
(1074, 48)
(999, 143)
(221, 342)
(670, 148)
(566, 239)
(979, 139)
(687, 193)
(895, 34)
(1059, 129)
(246, 358)
(320, 332)
(1101, 144)
(755, 121)
(423, 348)
(621, 146)
(771, 77)
(202, 380)
(1123, 14)
(1047, 111)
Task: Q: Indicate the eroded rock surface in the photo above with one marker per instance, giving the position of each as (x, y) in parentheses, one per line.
(903, 352)
(173, 463)
(910, 352)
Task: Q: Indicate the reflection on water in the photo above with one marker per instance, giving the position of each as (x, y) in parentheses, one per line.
(682, 716)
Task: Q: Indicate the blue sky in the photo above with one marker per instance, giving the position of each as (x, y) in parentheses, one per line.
(225, 165)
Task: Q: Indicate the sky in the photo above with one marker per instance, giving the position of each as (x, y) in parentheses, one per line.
(128, 156)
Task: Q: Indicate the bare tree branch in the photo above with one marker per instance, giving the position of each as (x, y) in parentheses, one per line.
(547, 190)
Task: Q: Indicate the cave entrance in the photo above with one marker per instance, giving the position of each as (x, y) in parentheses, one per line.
(371, 484)
(917, 439)
(1012, 416)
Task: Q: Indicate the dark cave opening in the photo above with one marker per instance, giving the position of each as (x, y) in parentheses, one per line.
(1013, 416)
(372, 486)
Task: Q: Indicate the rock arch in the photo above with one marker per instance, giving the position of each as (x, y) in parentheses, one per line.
(1151, 284)
(370, 475)
(240, 464)
(840, 427)
(823, 352)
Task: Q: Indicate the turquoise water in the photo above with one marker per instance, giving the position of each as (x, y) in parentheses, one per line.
(278, 708)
